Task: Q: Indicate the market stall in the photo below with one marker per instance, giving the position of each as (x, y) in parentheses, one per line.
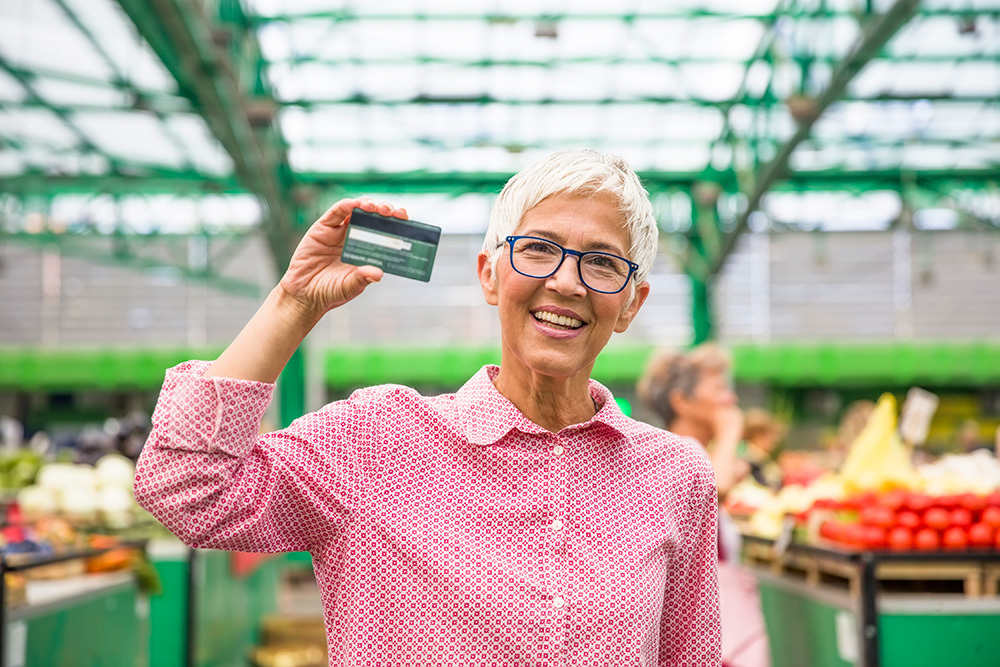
(881, 563)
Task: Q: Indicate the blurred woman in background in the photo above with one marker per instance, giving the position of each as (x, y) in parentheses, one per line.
(692, 393)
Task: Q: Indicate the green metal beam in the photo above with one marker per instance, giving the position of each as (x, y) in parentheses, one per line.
(344, 16)
(492, 182)
(165, 101)
(874, 36)
(561, 61)
(140, 180)
(976, 139)
(186, 41)
(485, 100)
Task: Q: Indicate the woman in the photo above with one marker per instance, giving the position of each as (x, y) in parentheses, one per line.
(693, 395)
(523, 520)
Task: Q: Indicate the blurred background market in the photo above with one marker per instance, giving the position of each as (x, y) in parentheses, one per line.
(825, 174)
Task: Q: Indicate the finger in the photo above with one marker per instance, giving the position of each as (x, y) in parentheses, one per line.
(384, 208)
(337, 213)
(368, 204)
(359, 279)
(401, 214)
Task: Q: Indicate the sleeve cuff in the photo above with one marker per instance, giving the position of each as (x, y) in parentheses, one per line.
(210, 414)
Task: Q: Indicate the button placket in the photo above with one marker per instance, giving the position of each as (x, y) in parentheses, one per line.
(554, 553)
(559, 525)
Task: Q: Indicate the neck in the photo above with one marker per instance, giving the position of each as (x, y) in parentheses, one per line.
(691, 429)
(552, 403)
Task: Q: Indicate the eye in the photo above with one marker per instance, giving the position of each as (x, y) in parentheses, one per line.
(540, 247)
(606, 264)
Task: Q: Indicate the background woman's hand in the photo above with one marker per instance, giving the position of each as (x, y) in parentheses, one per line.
(728, 423)
(316, 278)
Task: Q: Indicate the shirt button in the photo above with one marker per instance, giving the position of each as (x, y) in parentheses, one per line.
(558, 450)
(558, 602)
(557, 524)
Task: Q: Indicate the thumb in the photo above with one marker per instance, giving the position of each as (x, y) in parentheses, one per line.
(359, 279)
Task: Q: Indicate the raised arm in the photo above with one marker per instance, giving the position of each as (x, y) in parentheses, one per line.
(316, 282)
(729, 468)
(206, 474)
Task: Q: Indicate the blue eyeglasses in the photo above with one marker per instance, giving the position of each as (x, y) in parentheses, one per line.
(540, 258)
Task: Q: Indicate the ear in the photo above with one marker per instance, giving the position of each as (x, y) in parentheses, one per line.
(679, 403)
(486, 279)
(630, 311)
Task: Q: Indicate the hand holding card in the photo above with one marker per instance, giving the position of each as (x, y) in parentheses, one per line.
(402, 247)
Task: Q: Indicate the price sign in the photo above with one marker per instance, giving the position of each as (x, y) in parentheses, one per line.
(918, 410)
(785, 538)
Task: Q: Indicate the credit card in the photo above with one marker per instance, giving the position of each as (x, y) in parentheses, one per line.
(402, 247)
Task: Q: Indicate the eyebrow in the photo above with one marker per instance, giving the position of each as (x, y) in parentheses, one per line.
(551, 236)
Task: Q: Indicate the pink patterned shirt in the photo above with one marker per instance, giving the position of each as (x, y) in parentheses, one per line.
(451, 530)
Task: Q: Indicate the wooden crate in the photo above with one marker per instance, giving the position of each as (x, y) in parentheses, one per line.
(975, 579)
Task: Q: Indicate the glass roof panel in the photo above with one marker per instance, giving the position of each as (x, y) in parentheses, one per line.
(130, 57)
(488, 85)
(199, 146)
(10, 89)
(37, 34)
(37, 126)
(135, 136)
(60, 92)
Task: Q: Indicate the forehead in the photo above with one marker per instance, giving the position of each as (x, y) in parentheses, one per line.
(585, 222)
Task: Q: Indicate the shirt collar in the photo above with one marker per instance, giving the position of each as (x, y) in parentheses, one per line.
(487, 415)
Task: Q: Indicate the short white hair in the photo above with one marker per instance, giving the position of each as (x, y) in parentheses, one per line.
(577, 172)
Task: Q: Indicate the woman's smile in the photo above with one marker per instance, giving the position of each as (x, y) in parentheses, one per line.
(558, 322)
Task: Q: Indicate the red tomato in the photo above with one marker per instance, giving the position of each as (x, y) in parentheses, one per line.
(875, 537)
(918, 502)
(993, 500)
(955, 539)
(829, 529)
(981, 535)
(991, 516)
(854, 535)
(909, 520)
(900, 539)
(926, 540)
(950, 502)
(867, 499)
(972, 502)
(960, 517)
(894, 500)
(876, 515)
(937, 518)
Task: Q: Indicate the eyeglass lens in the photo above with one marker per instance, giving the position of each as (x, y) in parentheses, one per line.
(539, 259)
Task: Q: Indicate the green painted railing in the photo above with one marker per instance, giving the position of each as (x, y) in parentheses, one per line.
(792, 365)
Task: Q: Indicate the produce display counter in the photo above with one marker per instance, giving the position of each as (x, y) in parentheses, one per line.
(93, 619)
(833, 608)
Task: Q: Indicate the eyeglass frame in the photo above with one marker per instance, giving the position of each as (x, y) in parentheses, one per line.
(632, 266)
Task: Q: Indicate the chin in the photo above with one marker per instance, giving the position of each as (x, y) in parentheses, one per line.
(556, 365)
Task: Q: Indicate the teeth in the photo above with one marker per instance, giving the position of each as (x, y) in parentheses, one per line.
(561, 320)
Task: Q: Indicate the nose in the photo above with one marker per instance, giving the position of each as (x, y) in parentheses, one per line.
(566, 279)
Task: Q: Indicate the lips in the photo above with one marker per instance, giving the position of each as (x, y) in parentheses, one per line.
(559, 318)
(557, 323)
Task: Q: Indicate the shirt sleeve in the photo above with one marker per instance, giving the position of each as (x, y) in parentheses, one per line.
(690, 634)
(207, 475)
